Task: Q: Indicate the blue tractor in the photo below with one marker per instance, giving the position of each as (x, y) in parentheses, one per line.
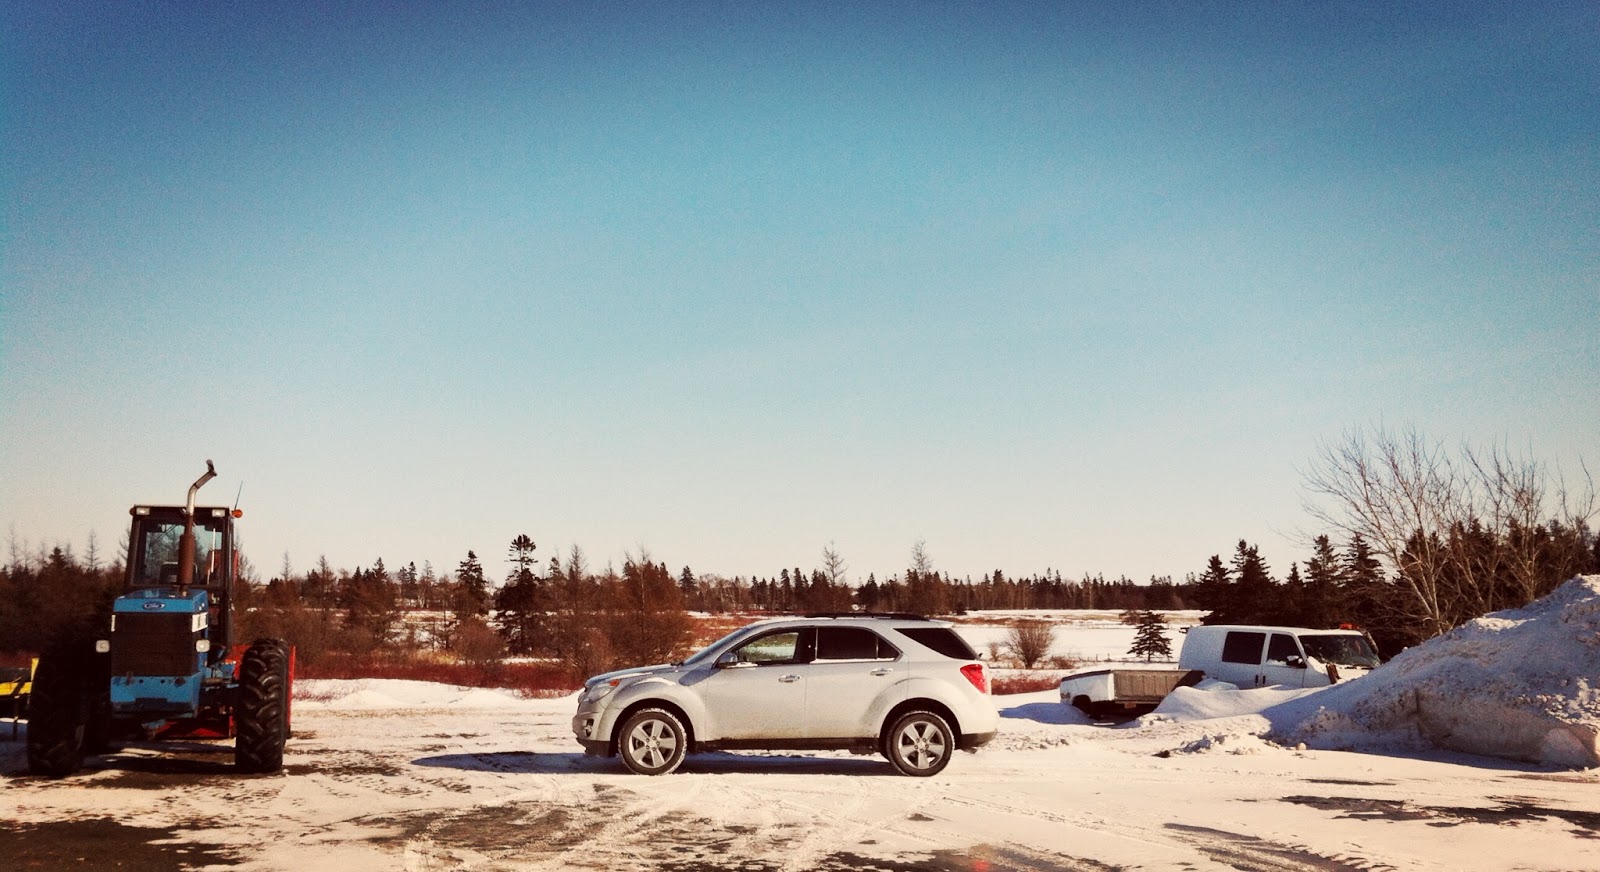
(169, 667)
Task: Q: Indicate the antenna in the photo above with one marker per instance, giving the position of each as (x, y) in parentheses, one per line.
(238, 495)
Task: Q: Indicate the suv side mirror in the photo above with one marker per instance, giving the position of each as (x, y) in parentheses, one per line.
(1295, 661)
(730, 660)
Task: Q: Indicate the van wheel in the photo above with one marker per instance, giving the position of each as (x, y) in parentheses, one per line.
(919, 744)
(652, 742)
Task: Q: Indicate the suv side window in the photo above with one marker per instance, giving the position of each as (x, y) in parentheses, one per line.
(941, 639)
(852, 643)
(781, 647)
(1243, 648)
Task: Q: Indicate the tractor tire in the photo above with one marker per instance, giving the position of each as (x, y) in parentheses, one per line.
(58, 713)
(261, 712)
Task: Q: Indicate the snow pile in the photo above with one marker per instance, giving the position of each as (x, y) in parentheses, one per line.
(1218, 699)
(1522, 684)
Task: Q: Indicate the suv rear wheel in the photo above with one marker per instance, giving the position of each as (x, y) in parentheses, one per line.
(919, 744)
(652, 742)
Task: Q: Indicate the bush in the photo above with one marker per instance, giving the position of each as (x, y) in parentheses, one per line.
(1009, 684)
(1029, 641)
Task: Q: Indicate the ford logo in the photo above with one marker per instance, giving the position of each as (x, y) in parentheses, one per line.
(154, 606)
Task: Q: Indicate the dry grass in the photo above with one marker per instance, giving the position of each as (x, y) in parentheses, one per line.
(1008, 684)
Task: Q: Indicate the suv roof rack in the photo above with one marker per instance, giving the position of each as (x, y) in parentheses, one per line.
(899, 616)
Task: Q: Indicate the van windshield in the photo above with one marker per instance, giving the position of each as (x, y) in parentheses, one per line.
(1342, 649)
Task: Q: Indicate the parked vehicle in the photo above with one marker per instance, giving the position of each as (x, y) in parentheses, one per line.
(1244, 656)
(1130, 690)
(1260, 656)
(168, 666)
(902, 686)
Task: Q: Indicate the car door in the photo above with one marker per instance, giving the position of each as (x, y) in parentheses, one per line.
(758, 691)
(1240, 664)
(853, 668)
(1285, 663)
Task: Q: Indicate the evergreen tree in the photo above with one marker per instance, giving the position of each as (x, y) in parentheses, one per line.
(472, 589)
(521, 604)
(1150, 640)
(1256, 594)
(869, 594)
(1214, 592)
(1324, 605)
(691, 589)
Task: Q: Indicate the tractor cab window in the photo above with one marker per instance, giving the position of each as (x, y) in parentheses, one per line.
(155, 552)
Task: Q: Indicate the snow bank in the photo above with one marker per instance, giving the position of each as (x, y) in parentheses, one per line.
(1219, 699)
(1522, 684)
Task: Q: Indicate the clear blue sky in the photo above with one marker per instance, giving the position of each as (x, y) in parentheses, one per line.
(1054, 285)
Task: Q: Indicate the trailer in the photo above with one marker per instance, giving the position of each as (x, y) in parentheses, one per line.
(1125, 690)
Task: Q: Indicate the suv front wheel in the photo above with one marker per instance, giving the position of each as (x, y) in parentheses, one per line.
(652, 742)
(919, 744)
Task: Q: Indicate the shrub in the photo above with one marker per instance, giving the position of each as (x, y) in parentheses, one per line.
(1008, 684)
(1029, 641)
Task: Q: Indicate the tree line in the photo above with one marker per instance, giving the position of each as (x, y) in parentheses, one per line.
(1423, 540)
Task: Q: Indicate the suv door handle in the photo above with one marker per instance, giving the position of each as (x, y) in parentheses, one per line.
(789, 679)
(882, 670)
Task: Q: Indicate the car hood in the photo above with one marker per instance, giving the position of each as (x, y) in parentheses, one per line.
(630, 673)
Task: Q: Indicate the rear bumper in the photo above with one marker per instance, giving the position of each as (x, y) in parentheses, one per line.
(974, 741)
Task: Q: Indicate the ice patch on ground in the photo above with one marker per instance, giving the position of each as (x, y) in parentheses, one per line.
(1522, 684)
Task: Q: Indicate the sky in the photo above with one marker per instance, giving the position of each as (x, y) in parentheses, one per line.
(1043, 286)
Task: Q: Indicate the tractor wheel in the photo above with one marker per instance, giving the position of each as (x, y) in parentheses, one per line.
(58, 713)
(261, 713)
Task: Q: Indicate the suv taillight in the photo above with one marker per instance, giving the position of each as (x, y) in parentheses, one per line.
(976, 674)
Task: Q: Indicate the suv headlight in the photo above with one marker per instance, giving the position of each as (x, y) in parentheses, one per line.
(599, 691)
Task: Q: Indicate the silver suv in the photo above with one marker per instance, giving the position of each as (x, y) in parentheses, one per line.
(905, 687)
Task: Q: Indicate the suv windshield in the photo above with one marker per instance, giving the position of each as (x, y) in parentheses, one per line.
(1342, 649)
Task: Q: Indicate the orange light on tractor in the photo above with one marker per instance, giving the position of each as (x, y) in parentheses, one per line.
(238, 513)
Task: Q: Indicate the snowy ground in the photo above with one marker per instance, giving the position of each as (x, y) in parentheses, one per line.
(402, 775)
(408, 775)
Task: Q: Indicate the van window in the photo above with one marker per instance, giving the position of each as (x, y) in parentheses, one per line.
(1241, 647)
(1281, 648)
(1344, 649)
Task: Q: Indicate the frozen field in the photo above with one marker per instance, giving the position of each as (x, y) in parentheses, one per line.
(385, 775)
(396, 775)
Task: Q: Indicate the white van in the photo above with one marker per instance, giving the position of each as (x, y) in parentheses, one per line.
(1258, 656)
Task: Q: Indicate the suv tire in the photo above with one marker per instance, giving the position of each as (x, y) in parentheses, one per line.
(652, 741)
(919, 744)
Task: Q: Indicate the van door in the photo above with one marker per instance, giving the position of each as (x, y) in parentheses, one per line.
(1241, 658)
(1285, 663)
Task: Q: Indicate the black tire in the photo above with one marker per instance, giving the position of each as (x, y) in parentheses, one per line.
(58, 713)
(919, 744)
(652, 742)
(1082, 704)
(261, 710)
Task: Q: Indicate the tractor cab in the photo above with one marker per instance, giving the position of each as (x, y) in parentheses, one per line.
(153, 585)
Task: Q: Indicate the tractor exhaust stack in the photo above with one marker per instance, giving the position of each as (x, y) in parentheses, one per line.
(186, 543)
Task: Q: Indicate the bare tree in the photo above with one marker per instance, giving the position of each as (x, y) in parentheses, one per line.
(1450, 532)
(1029, 641)
(834, 566)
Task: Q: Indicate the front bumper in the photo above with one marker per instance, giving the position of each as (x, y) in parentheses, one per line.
(585, 727)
